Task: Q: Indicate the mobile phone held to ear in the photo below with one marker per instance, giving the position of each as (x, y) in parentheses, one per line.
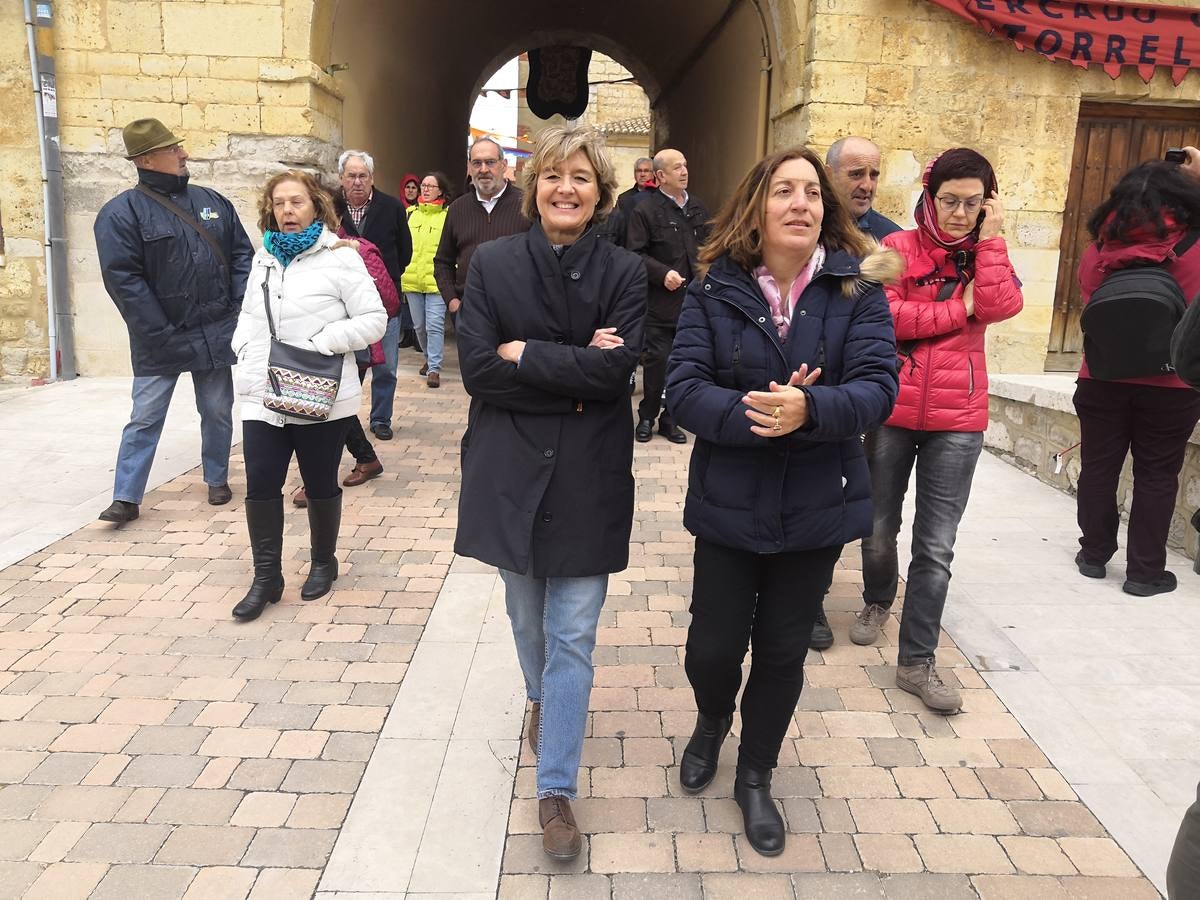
(1176, 155)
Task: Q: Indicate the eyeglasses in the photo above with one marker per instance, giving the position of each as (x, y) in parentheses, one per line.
(949, 204)
(484, 163)
(357, 177)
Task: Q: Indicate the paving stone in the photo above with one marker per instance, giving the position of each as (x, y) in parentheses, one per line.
(259, 774)
(319, 811)
(928, 887)
(317, 776)
(1091, 888)
(167, 739)
(349, 747)
(1018, 887)
(612, 853)
(83, 803)
(144, 882)
(1010, 784)
(113, 842)
(263, 809)
(888, 853)
(17, 839)
(1098, 856)
(705, 853)
(1055, 819)
(967, 853)
(1036, 855)
(861, 886)
(154, 770)
(15, 877)
(290, 848)
(894, 752)
(221, 883)
(741, 886)
(660, 887)
(202, 845)
(674, 814)
(283, 715)
(66, 881)
(185, 806)
(580, 887)
(276, 883)
(858, 781)
(523, 854)
(68, 709)
(801, 853)
(973, 816)
(523, 887)
(63, 768)
(58, 841)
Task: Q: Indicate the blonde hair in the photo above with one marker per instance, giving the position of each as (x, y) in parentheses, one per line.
(559, 143)
(321, 198)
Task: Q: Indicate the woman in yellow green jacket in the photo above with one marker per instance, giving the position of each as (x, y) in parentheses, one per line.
(425, 221)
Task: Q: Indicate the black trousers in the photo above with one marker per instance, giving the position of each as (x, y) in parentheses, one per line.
(1183, 870)
(1152, 423)
(658, 341)
(268, 452)
(357, 441)
(767, 602)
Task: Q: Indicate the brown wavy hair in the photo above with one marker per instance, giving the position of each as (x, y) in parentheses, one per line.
(738, 228)
(321, 198)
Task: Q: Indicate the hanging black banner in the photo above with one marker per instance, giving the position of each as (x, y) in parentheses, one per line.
(558, 81)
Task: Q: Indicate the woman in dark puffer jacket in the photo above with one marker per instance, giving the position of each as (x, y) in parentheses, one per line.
(784, 356)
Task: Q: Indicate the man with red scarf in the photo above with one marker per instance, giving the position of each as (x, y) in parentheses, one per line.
(957, 281)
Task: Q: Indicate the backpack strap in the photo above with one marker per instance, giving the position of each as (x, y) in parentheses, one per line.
(1189, 241)
(906, 348)
(173, 207)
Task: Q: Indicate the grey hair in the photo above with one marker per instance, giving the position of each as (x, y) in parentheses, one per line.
(485, 140)
(366, 158)
(641, 159)
(833, 156)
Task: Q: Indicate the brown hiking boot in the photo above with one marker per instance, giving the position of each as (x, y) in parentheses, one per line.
(531, 733)
(560, 834)
(924, 681)
(866, 626)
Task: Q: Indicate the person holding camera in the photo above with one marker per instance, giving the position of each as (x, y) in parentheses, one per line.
(958, 280)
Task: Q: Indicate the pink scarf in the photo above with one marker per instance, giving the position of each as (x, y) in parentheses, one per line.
(781, 314)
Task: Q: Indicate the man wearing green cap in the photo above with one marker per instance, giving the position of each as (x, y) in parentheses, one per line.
(175, 259)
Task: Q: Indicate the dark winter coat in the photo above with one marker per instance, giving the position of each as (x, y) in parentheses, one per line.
(666, 237)
(810, 488)
(877, 225)
(547, 481)
(385, 225)
(177, 299)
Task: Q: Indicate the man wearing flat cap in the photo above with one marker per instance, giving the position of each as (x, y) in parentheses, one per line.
(175, 259)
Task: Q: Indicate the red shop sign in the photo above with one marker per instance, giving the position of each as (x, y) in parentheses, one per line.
(1088, 33)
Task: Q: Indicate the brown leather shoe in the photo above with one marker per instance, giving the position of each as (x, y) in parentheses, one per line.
(363, 472)
(433, 379)
(424, 369)
(300, 498)
(531, 733)
(560, 834)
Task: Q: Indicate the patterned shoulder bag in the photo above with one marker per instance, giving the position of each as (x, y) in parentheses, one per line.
(301, 383)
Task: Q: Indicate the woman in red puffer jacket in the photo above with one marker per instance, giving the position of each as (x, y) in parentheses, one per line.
(957, 280)
(1150, 211)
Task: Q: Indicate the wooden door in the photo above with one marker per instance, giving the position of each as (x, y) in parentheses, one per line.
(1110, 140)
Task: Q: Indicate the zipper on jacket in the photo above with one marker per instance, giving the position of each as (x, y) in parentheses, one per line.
(737, 354)
(922, 407)
(773, 338)
(970, 377)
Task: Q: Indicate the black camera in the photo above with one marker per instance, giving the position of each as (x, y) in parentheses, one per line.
(1176, 155)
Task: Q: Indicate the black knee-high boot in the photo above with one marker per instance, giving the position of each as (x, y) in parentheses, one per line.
(264, 522)
(324, 520)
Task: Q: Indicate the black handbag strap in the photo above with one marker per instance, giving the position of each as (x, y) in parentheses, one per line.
(267, 304)
(1187, 243)
(906, 348)
(170, 205)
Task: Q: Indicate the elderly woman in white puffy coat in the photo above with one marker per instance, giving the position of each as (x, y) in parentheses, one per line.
(321, 299)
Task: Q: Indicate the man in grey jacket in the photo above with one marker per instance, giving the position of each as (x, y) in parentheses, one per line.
(174, 258)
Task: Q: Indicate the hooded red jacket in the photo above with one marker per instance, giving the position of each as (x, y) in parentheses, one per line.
(1098, 262)
(943, 382)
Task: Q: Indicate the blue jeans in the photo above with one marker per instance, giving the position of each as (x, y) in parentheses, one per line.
(429, 319)
(383, 378)
(151, 400)
(945, 463)
(554, 626)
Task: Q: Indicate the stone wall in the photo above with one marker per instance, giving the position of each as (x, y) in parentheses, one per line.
(24, 346)
(918, 80)
(235, 80)
(1032, 419)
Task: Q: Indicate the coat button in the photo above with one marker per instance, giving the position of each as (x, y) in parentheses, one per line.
(573, 275)
(803, 312)
(761, 319)
(708, 287)
(548, 453)
(558, 340)
(547, 518)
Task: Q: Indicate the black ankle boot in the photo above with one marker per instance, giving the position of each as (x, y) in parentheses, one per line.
(699, 763)
(264, 522)
(760, 815)
(324, 520)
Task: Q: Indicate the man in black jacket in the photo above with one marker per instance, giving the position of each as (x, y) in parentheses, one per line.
(666, 228)
(380, 218)
(174, 258)
(643, 185)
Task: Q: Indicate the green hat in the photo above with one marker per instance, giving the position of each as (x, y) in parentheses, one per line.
(143, 135)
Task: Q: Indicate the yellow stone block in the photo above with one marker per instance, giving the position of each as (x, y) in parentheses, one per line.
(296, 93)
(889, 85)
(112, 63)
(83, 138)
(244, 68)
(238, 119)
(135, 87)
(78, 85)
(84, 111)
(837, 82)
(297, 28)
(125, 111)
(134, 26)
(1008, 119)
(225, 29)
(207, 144)
(287, 120)
(193, 116)
(214, 90)
(286, 69)
(829, 121)
(163, 65)
(846, 39)
(79, 25)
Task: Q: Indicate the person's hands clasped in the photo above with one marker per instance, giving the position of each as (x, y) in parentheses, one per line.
(783, 408)
(511, 351)
(993, 217)
(673, 280)
(454, 304)
(606, 339)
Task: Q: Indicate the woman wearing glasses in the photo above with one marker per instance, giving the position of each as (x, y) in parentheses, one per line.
(958, 279)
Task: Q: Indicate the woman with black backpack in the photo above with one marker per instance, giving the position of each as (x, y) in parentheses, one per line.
(1149, 223)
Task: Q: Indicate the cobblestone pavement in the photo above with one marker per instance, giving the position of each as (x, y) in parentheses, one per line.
(151, 747)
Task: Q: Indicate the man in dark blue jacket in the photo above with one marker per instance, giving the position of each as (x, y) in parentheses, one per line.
(853, 163)
(180, 292)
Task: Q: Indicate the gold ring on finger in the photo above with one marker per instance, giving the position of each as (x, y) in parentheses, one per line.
(778, 410)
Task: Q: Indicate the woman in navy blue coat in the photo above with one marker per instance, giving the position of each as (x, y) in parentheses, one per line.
(785, 355)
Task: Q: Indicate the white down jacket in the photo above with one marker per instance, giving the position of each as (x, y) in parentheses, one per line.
(323, 301)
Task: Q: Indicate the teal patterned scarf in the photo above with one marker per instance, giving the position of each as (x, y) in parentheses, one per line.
(286, 247)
